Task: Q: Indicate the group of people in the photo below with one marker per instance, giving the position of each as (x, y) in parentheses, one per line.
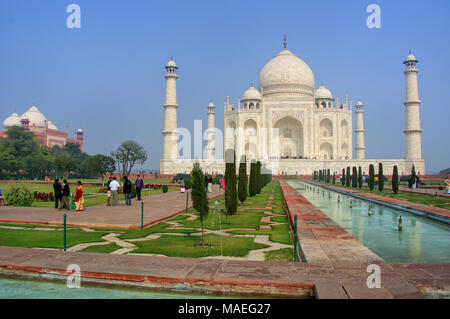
(62, 193)
(208, 183)
(112, 190)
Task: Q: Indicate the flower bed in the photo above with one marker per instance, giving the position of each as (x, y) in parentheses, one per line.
(43, 196)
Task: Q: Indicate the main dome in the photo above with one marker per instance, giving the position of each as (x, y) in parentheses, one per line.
(286, 74)
(35, 117)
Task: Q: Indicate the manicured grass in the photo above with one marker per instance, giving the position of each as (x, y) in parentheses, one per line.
(177, 246)
(279, 233)
(279, 219)
(46, 239)
(106, 249)
(424, 199)
(159, 228)
(283, 254)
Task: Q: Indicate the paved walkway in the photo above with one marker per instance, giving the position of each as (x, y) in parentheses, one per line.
(156, 208)
(429, 191)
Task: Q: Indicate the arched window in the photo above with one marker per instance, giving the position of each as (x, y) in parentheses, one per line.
(251, 106)
(324, 105)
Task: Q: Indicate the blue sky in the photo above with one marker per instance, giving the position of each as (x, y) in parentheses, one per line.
(108, 76)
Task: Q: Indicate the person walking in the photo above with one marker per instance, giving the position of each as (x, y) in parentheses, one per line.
(114, 186)
(222, 182)
(108, 192)
(210, 180)
(139, 184)
(79, 198)
(182, 186)
(65, 196)
(57, 189)
(127, 190)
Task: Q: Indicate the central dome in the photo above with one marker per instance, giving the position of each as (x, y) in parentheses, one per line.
(286, 74)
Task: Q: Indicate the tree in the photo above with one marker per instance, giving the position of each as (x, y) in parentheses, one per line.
(380, 177)
(334, 178)
(243, 180)
(371, 177)
(230, 182)
(412, 178)
(8, 161)
(65, 163)
(199, 196)
(360, 177)
(343, 177)
(354, 177)
(128, 154)
(99, 165)
(21, 144)
(259, 185)
(252, 183)
(395, 180)
(39, 164)
(347, 177)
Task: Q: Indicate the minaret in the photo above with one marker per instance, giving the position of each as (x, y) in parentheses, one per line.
(170, 113)
(211, 144)
(412, 130)
(360, 148)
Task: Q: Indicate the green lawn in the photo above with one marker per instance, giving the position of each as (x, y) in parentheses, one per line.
(106, 249)
(177, 246)
(283, 254)
(88, 189)
(46, 239)
(424, 199)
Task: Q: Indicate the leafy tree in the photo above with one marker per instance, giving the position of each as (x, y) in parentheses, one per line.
(347, 177)
(39, 164)
(99, 165)
(65, 163)
(230, 183)
(380, 177)
(395, 180)
(360, 177)
(8, 161)
(252, 186)
(199, 196)
(371, 177)
(21, 143)
(243, 180)
(445, 171)
(128, 154)
(343, 177)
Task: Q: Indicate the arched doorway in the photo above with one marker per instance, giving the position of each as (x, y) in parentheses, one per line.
(326, 151)
(290, 135)
(250, 133)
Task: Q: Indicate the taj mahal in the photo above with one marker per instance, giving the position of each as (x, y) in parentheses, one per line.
(290, 126)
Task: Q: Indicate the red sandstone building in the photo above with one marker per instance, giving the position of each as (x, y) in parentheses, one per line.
(48, 134)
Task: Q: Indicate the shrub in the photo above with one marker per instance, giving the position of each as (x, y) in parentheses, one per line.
(230, 183)
(165, 188)
(252, 186)
(371, 177)
(199, 196)
(343, 177)
(347, 177)
(360, 177)
(19, 196)
(395, 180)
(354, 177)
(242, 185)
(380, 177)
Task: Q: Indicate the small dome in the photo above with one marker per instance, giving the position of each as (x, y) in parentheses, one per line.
(35, 117)
(323, 93)
(359, 103)
(251, 94)
(171, 63)
(51, 126)
(79, 130)
(12, 120)
(211, 104)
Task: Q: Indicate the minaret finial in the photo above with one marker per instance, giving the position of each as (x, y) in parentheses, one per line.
(285, 42)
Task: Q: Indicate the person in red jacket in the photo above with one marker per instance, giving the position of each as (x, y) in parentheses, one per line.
(79, 199)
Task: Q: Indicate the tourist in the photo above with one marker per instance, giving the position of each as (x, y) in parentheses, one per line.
(127, 190)
(139, 184)
(222, 182)
(57, 188)
(210, 180)
(417, 181)
(2, 199)
(182, 186)
(65, 196)
(206, 182)
(114, 186)
(79, 198)
(108, 192)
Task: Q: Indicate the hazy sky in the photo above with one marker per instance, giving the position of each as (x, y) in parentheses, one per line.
(108, 76)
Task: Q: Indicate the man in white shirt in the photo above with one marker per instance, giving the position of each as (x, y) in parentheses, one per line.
(114, 187)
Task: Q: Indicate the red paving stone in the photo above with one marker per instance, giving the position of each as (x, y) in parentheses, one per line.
(156, 208)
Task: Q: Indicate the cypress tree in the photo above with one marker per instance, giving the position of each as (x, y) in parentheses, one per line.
(371, 177)
(252, 183)
(354, 177)
(242, 186)
(230, 183)
(334, 178)
(328, 175)
(343, 177)
(360, 177)
(199, 196)
(395, 180)
(347, 177)
(412, 178)
(259, 185)
(380, 177)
